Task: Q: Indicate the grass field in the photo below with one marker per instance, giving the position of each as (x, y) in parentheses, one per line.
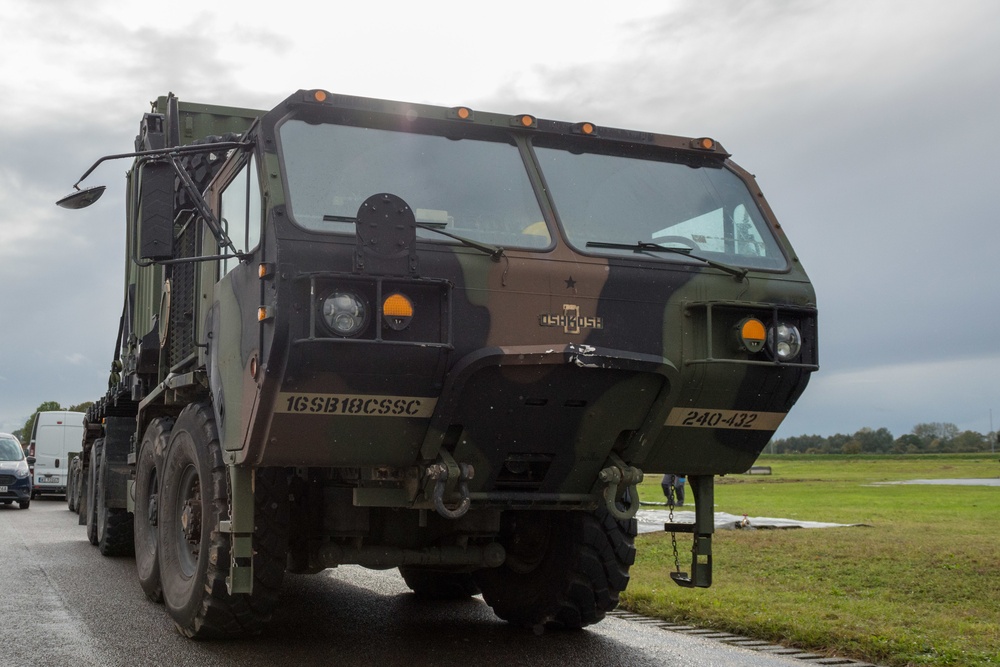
(919, 584)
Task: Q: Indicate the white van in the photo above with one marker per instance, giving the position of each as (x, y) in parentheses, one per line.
(55, 435)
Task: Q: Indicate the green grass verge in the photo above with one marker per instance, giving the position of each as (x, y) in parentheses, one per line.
(918, 585)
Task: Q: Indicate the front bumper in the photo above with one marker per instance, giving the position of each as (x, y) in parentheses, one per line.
(18, 491)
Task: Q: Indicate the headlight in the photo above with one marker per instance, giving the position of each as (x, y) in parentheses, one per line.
(22, 470)
(345, 313)
(784, 341)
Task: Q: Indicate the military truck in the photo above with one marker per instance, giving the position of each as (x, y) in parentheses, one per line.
(439, 339)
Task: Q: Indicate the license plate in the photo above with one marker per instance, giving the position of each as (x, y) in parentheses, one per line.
(3, 489)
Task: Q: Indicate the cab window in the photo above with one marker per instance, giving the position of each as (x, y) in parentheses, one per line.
(240, 212)
(627, 199)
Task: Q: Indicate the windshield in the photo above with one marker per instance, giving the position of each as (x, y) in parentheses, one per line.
(627, 200)
(10, 450)
(477, 189)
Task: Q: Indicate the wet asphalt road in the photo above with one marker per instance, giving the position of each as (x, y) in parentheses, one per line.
(61, 602)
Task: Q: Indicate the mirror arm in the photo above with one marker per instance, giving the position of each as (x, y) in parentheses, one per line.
(202, 207)
(177, 150)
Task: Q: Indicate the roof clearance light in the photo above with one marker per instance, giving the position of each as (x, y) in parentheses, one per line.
(751, 334)
(588, 129)
(397, 311)
(524, 120)
(319, 95)
(461, 113)
(705, 143)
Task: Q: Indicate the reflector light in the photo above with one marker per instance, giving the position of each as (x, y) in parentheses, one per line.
(262, 314)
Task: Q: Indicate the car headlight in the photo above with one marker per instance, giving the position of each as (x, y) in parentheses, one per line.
(22, 470)
(784, 341)
(345, 313)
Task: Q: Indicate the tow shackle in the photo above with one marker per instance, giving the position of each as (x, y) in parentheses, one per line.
(442, 476)
(621, 504)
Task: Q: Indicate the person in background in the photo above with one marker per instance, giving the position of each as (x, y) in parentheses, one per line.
(673, 489)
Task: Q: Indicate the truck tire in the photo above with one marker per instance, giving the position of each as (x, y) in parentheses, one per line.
(202, 167)
(95, 461)
(563, 569)
(77, 485)
(70, 487)
(114, 524)
(149, 465)
(439, 584)
(194, 555)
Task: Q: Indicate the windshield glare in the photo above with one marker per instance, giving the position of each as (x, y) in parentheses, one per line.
(476, 189)
(10, 450)
(617, 199)
(480, 190)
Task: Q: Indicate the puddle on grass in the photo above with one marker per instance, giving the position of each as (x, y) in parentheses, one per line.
(991, 481)
(652, 520)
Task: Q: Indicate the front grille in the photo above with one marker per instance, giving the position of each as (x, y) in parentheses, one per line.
(7, 480)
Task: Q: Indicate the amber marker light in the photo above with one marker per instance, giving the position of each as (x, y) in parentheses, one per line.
(524, 120)
(585, 128)
(264, 271)
(460, 113)
(397, 311)
(262, 314)
(705, 143)
(752, 334)
(319, 95)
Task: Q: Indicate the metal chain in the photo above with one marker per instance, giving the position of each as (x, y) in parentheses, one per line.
(673, 535)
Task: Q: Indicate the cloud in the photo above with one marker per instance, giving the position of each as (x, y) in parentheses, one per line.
(871, 126)
(899, 396)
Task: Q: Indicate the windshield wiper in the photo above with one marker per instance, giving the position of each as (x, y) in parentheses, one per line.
(494, 251)
(646, 246)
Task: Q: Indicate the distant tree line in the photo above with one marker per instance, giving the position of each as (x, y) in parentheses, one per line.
(23, 434)
(931, 438)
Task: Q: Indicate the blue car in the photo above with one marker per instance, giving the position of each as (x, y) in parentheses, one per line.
(15, 475)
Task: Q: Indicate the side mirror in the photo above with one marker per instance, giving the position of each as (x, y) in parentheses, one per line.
(82, 198)
(31, 461)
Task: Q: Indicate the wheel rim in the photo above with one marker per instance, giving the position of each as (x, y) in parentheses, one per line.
(147, 514)
(528, 547)
(188, 512)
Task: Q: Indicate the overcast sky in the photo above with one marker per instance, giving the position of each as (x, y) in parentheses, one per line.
(872, 126)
